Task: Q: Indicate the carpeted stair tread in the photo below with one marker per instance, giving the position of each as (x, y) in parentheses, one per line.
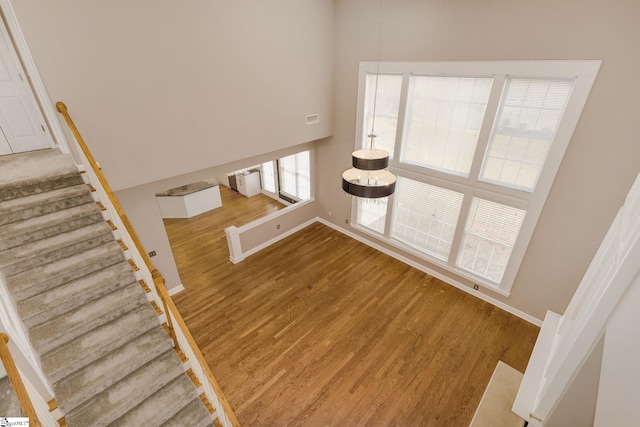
(51, 224)
(25, 257)
(99, 341)
(23, 208)
(192, 415)
(167, 402)
(36, 172)
(106, 371)
(111, 404)
(93, 345)
(23, 167)
(65, 328)
(48, 276)
(54, 302)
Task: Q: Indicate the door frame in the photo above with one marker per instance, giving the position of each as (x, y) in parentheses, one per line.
(35, 81)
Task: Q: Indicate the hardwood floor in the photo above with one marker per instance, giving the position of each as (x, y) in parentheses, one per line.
(321, 330)
(199, 244)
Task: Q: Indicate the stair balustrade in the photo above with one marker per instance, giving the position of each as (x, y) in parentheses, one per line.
(175, 325)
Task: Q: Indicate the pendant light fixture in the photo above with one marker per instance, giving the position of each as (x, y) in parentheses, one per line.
(369, 177)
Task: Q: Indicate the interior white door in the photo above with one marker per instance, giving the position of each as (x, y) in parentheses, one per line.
(21, 122)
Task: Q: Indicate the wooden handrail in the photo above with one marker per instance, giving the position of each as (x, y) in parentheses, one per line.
(16, 382)
(164, 294)
(157, 277)
(158, 280)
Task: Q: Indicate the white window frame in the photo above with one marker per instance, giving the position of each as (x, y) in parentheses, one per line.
(297, 174)
(584, 73)
(273, 181)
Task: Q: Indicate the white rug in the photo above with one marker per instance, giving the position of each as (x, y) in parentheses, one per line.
(495, 407)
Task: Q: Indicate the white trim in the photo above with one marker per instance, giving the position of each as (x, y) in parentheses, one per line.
(614, 268)
(433, 273)
(233, 243)
(584, 73)
(31, 69)
(451, 266)
(240, 256)
(535, 368)
(538, 68)
(46, 417)
(274, 196)
(14, 327)
(176, 289)
(233, 233)
(279, 237)
(277, 214)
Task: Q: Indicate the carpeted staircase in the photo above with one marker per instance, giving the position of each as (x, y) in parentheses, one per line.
(100, 343)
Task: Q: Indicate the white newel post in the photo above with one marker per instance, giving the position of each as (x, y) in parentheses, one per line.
(235, 248)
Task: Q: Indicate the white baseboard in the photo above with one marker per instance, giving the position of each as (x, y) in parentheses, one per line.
(277, 238)
(236, 260)
(397, 256)
(433, 273)
(176, 289)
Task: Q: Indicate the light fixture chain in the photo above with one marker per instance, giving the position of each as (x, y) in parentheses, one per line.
(372, 135)
(369, 177)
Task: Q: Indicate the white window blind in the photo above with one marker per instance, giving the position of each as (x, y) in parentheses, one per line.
(489, 236)
(528, 117)
(444, 117)
(488, 138)
(288, 175)
(295, 175)
(268, 177)
(372, 214)
(387, 106)
(425, 216)
(303, 175)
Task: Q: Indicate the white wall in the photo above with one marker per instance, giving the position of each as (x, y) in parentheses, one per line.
(603, 157)
(619, 391)
(185, 86)
(577, 406)
(160, 88)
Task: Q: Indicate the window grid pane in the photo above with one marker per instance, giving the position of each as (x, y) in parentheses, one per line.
(425, 217)
(489, 236)
(529, 114)
(303, 175)
(444, 118)
(387, 107)
(288, 175)
(372, 214)
(268, 177)
(295, 175)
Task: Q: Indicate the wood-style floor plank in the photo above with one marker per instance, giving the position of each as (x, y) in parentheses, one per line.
(321, 330)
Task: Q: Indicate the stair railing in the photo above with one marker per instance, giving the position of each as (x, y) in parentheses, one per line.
(16, 382)
(159, 296)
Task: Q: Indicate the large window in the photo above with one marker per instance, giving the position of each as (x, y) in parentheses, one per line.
(269, 176)
(425, 217)
(443, 120)
(295, 176)
(476, 147)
